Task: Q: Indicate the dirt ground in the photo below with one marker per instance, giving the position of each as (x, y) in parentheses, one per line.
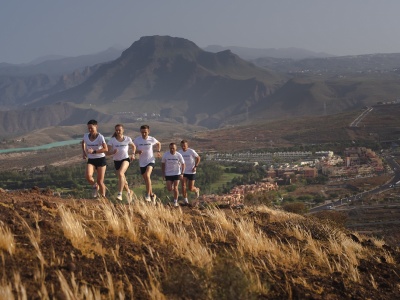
(47, 265)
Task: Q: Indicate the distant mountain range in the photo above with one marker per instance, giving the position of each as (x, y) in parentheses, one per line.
(254, 53)
(342, 65)
(57, 66)
(172, 79)
(21, 83)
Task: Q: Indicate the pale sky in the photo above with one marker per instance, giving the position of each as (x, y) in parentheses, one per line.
(35, 28)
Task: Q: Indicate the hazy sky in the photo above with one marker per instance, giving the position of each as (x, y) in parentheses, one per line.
(34, 28)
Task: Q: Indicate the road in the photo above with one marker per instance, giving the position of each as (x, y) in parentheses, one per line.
(360, 117)
(387, 186)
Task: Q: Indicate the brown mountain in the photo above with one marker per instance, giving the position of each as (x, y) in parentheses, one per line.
(160, 75)
(174, 78)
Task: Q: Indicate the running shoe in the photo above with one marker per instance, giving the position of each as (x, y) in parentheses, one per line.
(119, 196)
(153, 198)
(147, 198)
(94, 192)
(176, 204)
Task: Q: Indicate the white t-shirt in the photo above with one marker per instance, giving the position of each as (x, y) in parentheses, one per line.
(190, 160)
(97, 144)
(173, 163)
(122, 147)
(146, 146)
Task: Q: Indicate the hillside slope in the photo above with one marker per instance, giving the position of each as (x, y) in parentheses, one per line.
(77, 249)
(174, 78)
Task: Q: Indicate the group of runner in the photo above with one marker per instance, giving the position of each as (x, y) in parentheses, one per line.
(177, 166)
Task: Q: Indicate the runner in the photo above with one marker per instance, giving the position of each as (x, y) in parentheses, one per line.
(144, 147)
(173, 166)
(119, 147)
(94, 148)
(192, 160)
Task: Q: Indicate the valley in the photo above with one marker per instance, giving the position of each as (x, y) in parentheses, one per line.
(299, 178)
(379, 128)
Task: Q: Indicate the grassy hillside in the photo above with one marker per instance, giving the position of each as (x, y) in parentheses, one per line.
(70, 249)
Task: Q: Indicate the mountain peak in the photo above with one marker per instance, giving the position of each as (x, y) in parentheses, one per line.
(162, 46)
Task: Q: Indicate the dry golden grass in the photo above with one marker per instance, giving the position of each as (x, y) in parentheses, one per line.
(219, 218)
(75, 291)
(388, 257)
(215, 234)
(250, 240)
(278, 215)
(34, 238)
(146, 251)
(6, 291)
(377, 242)
(190, 248)
(158, 229)
(112, 218)
(74, 229)
(153, 285)
(373, 282)
(297, 231)
(7, 241)
(256, 285)
(320, 256)
(131, 224)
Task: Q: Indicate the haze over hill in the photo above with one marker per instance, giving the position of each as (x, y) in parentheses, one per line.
(56, 66)
(20, 84)
(342, 65)
(254, 53)
(168, 76)
(172, 79)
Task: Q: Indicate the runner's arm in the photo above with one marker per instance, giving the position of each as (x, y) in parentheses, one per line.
(158, 149)
(133, 151)
(83, 144)
(196, 163)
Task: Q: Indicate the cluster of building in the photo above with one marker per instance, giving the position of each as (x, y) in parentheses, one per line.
(236, 194)
(356, 161)
(264, 157)
(388, 102)
(285, 167)
(287, 174)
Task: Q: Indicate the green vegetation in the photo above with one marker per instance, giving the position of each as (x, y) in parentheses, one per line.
(212, 178)
(70, 181)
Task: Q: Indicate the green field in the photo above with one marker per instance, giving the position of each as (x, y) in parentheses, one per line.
(226, 177)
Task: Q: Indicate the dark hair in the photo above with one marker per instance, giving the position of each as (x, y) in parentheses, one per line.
(145, 127)
(172, 144)
(92, 122)
(184, 142)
